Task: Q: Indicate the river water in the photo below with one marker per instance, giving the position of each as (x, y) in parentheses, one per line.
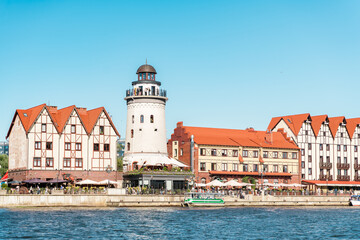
(181, 223)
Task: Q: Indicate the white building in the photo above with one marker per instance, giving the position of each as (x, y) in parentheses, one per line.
(329, 146)
(145, 141)
(45, 142)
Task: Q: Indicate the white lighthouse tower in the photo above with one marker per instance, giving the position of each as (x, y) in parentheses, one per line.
(145, 141)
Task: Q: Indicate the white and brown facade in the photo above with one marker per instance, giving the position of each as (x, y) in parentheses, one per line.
(329, 146)
(46, 142)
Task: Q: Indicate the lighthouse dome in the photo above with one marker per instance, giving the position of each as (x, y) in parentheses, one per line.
(146, 69)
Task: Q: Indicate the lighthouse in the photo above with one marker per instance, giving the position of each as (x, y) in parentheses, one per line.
(145, 141)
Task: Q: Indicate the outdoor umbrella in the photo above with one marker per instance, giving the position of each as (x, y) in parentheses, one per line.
(200, 184)
(296, 185)
(107, 182)
(35, 181)
(215, 183)
(234, 183)
(87, 182)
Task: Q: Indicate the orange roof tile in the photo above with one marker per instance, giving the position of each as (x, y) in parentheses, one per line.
(235, 137)
(60, 117)
(316, 122)
(334, 123)
(351, 124)
(293, 121)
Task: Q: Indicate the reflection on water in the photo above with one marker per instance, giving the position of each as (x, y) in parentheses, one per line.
(180, 223)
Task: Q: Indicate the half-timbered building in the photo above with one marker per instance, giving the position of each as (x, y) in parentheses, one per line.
(46, 142)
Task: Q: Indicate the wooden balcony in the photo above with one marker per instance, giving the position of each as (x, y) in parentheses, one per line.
(343, 178)
(357, 178)
(325, 165)
(356, 166)
(323, 177)
(343, 166)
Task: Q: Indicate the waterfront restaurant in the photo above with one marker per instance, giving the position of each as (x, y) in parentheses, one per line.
(227, 154)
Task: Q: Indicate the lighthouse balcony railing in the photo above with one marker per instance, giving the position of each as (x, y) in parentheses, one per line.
(138, 92)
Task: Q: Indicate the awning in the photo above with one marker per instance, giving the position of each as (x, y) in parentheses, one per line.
(5, 177)
(35, 181)
(87, 182)
(332, 183)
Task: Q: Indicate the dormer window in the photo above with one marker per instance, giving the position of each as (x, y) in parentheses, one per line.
(152, 119)
(25, 115)
(141, 118)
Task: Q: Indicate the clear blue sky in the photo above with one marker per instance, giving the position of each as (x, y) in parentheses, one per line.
(229, 64)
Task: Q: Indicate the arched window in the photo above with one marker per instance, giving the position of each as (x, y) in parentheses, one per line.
(141, 118)
(203, 180)
(132, 133)
(128, 146)
(132, 118)
(152, 119)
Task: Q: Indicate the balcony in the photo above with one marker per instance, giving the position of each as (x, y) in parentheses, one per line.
(356, 166)
(343, 166)
(143, 92)
(323, 177)
(357, 178)
(343, 178)
(325, 165)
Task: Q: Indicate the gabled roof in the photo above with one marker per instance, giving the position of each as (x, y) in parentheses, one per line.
(235, 137)
(351, 124)
(334, 123)
(60, 117)
(294, 122)
(316, 122)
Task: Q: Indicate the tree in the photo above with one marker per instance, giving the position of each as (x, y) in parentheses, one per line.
(120, 164)
(4, 164)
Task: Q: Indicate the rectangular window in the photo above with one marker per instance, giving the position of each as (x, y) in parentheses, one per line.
(309, 146)
(345, 159)
(339, 159)
(245, 167)
(224, 166)
(339, 172)
(276, 154)
(345, 148)
(78, 162)
(235, 153)
(275, 168)
(306, 132)
(101, 130)
(327, 147)
(73, 129)
(321, 159)
(256, 154)
(202, 151)
(67, 146)
(356, 160)
(321, 147)
(284, 155)
(310, 158)
(302, 164)
(235, 167)
(175, 153)
(78, 146)
(181, 151)
(106, 147)
(213, 167)
(37, 145)
(302, 152)
(224, 152)
(294, 155)
(245, 153)
(96, 147)
(202, 166)
(265, 154)
(324, 134)
(338, 147)
(213, 152)
(310, 171)
(37, 162)
(43, 127)
(285, 168)
(355, 148)
(49, 162)
(67, 162)
(256, 168)
(48, 145)
(265, 168)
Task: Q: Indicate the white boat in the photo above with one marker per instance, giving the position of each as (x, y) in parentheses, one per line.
(355, 200)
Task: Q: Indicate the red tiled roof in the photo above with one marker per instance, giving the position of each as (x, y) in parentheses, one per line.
(334, 123)
(60, 117)
(293, 121)
(351, 124)
(235, 137)
(316, 122)
(280, 174)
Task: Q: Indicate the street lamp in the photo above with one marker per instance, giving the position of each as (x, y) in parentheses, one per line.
(108, 170)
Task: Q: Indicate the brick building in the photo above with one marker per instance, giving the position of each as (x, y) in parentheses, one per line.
(46, 142)
(233, 154)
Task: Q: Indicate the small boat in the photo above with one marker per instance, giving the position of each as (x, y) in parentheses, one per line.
(354, 200)
(197, 199)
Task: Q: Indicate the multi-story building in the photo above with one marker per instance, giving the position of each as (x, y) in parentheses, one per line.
(4, 147)
(46, 142)
(228, 154)
(329, 146)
